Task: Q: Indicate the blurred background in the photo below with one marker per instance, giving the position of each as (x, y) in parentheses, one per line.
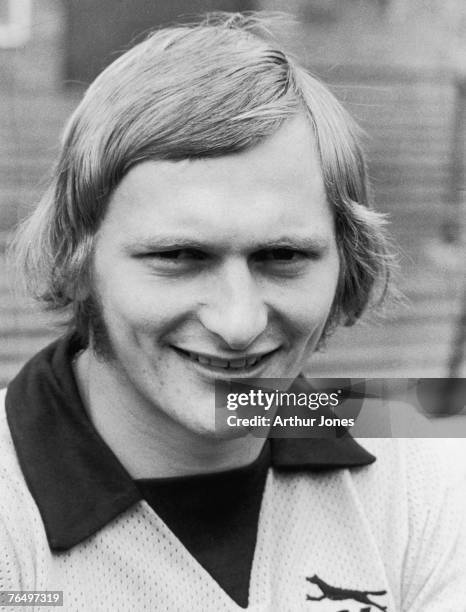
(399, 66)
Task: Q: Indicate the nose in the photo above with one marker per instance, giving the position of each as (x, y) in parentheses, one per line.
(235, 311)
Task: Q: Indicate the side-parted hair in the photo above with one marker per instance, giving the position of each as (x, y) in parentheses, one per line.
(195, 91)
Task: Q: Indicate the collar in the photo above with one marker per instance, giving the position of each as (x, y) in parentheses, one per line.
(77, 482)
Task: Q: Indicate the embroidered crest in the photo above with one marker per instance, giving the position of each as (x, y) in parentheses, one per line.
(333, 593)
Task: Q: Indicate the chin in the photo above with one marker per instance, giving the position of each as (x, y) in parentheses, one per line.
(220, 431)
(212, 427)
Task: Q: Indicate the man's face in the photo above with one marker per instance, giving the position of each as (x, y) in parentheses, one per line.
(213, 269)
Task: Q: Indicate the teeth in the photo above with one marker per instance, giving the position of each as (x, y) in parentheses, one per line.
(238, 363)
(219, 363)
(223, 363)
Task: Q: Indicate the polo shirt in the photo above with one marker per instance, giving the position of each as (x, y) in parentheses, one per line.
(336, 531)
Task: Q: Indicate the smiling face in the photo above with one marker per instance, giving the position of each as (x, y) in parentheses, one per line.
(215, 268)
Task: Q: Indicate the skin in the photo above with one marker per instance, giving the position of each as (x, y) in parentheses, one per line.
(228, 258)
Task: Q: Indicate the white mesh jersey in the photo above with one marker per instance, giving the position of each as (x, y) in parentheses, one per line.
(389, 536)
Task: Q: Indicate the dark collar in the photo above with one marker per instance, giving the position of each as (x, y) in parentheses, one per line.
(77, 482)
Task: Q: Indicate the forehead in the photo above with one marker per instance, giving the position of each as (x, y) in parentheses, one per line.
(254, 195)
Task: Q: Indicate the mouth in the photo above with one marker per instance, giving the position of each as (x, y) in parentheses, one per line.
(234, 366)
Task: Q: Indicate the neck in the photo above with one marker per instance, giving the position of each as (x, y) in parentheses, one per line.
(147, 442)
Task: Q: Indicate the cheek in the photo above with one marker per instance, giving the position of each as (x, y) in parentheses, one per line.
(311, 302)
(133, 300)
(309, 316)
(135, 314)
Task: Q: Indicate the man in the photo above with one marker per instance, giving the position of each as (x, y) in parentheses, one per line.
(208, 219)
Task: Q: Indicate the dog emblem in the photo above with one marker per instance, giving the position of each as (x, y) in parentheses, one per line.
(338, 594)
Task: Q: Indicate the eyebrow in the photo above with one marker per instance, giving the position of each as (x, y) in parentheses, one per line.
(153, 243)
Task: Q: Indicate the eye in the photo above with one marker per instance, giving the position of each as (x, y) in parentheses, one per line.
(178, 255)
(281, 255)
(287, 262)
(175, 261)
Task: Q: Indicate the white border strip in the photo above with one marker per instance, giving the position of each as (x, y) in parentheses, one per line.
(18, 29)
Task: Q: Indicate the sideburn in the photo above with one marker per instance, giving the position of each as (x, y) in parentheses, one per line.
(92, 329)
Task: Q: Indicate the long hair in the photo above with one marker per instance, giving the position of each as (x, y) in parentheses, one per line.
(195, 91)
